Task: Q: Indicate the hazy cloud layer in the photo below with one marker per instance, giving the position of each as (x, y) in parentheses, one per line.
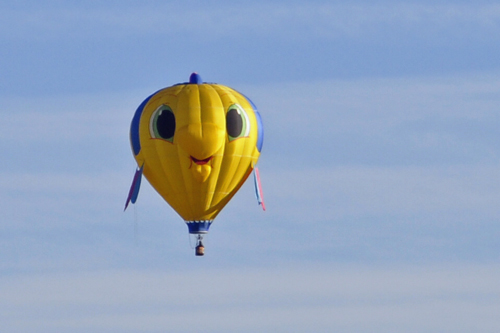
(280, 19)
(345, 165)
(457, 298)
(380, 168)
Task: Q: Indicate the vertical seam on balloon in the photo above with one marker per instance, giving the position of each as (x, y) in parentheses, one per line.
(186, 193)
(204, 185)
(179, 158)
(200, 121)
(229, 181)
(241, 151)
(235, 185)
(165, 171)
(217, 174)
(156, 148)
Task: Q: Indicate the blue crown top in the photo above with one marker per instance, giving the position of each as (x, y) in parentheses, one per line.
(195, 79)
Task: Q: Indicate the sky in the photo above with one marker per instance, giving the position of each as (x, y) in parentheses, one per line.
(380, 168)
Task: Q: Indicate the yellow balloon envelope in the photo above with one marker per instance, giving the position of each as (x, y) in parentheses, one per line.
(196, 143)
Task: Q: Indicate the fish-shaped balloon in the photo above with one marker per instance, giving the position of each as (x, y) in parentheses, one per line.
(196, 143)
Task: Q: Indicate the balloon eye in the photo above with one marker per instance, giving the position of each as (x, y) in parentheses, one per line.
(162, 124)
(237, 123)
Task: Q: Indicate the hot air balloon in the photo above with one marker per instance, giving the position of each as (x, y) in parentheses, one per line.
(196, 143)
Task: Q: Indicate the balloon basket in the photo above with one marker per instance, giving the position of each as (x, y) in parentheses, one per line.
(200, 251)
(200, 248)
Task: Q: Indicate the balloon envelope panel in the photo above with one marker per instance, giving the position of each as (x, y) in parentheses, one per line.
(197, 144)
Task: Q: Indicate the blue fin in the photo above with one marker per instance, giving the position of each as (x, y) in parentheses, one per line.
(134, 188)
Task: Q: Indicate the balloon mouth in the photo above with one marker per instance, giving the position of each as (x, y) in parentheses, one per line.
(201, 162)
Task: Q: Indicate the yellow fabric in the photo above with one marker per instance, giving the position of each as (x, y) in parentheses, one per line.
(197, 192)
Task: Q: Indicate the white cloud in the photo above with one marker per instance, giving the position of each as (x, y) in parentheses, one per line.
(289, 20)
(375, 105)
(284, 298)
(380, 112)
(68, 118)
(320, 194)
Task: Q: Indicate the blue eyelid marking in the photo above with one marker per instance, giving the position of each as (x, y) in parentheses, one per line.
(134, 126)
(260, 126)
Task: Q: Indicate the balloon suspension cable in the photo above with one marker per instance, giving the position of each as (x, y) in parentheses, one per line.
(136, 227)
(200, 249)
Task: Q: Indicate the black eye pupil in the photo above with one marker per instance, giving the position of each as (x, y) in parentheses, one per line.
(234, 123)
(165, 124)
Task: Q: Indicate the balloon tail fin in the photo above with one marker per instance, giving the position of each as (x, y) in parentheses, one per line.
(134, 188)
(258, 188)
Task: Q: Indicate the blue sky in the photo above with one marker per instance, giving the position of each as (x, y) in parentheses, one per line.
(380, 168)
